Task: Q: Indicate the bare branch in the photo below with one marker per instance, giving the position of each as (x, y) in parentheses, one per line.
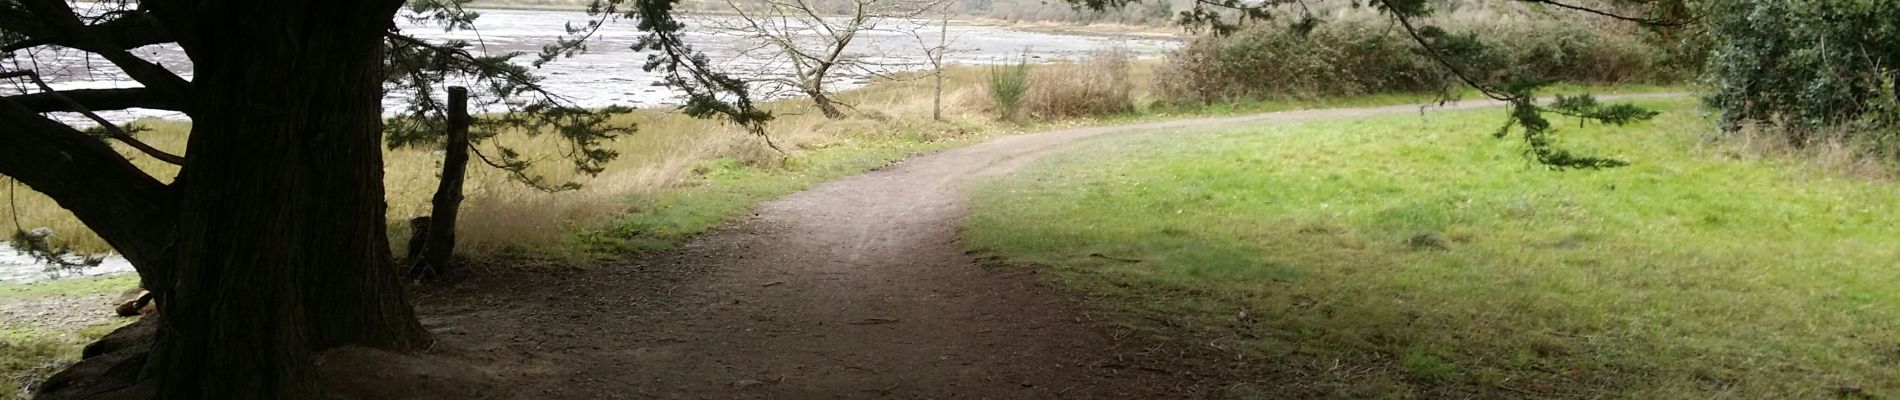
(112, 131)
(109, 194)
(780, 30)
(96, 100)
(60, 18)
(1639, 20)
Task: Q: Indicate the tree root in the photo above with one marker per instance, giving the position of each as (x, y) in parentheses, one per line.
(354, 372)
(110, 368)
(113, 368)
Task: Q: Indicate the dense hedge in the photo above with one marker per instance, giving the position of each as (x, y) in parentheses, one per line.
(1365, 54)
(1807, 68)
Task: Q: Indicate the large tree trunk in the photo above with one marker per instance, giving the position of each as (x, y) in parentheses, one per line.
(280, 243)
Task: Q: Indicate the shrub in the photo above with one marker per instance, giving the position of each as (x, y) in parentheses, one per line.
(1008, 84)
(1342, 58)
(1580, 53)
(1813, 73)
(1099, 85)
(1361, 53)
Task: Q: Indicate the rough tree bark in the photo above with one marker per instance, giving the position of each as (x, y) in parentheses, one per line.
(270, 245)
(280, 241)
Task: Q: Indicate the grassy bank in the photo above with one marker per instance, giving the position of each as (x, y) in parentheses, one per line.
(676, 177)
(1416, 257)
(28, 354)
(662, 171)
(669, 154)
(68, 287)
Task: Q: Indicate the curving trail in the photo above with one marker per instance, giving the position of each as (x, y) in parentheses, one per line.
(856, 288)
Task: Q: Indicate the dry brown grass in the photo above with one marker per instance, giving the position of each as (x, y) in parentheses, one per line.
(1832, 152)
(30, 210)
(1100, 85)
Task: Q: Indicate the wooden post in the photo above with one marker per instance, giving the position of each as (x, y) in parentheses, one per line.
(936, 61)
(439, 239)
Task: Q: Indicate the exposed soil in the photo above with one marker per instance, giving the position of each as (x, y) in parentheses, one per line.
(58, 313)
(856, 288)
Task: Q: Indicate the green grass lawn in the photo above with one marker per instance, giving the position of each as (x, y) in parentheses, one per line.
(1415, 256)
(113, 284)
(1255, 106)
(29, 354)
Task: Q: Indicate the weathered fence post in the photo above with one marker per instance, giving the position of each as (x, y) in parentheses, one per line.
(433, 241)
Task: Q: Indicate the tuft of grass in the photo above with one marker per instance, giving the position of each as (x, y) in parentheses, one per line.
(1099, 85)
(1008, 85)
(28, 357)
(1690, 274)
(1425, 366)
(1844, 150)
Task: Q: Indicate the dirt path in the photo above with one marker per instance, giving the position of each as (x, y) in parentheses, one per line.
(856, 288)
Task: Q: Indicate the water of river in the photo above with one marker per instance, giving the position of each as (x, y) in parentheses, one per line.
(20, 268)
(608, 74)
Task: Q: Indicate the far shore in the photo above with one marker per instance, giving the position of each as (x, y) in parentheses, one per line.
(1069, 28)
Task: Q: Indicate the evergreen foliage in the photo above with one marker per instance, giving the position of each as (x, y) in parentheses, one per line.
(1807, 67)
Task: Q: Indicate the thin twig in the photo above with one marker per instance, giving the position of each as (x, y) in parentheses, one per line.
(13, 187)
(1644, 21)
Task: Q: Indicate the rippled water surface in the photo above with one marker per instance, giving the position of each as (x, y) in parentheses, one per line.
(19, 268)
(610, 73)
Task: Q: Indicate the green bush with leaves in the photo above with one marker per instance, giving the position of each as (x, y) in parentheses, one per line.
(1363, 53)
(1008, 85)
(1808, 69)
